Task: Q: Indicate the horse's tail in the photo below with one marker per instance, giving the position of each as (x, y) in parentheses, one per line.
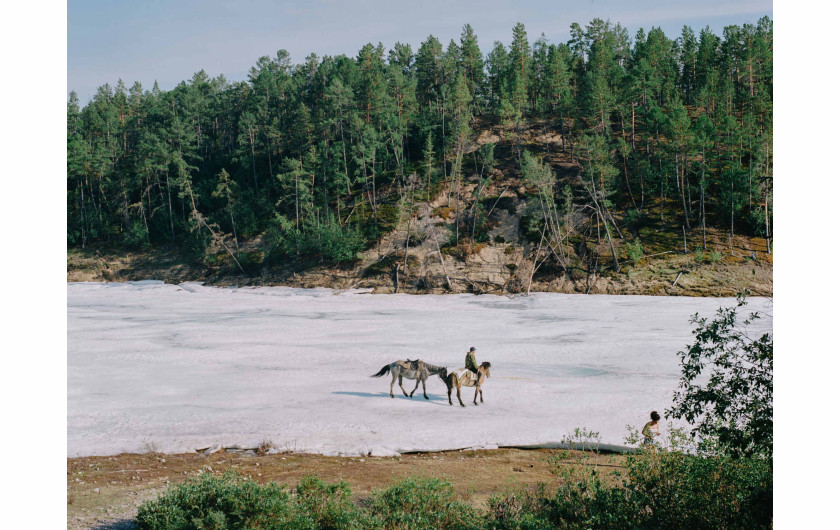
(382, 372)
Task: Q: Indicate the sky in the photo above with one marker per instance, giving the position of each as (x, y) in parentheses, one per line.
(168, 41)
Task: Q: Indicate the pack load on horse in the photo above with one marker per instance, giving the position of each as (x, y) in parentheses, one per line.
(415, 369)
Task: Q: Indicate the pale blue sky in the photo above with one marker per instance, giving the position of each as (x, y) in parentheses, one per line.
(168, 41)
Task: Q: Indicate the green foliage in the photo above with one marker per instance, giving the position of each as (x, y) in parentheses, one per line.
(634, 218)
(652, 122)
(423, 503)
(329, 506)
(223, 502)
(661, 490)
(634, 250)
(726, 387)
(328, 241)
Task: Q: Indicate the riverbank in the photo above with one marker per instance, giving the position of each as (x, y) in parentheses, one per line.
(105, 491)
(489, 269)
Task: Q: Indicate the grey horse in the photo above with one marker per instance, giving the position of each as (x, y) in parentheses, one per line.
(416, 369)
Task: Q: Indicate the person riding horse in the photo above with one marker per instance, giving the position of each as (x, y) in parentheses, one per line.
(470, 362)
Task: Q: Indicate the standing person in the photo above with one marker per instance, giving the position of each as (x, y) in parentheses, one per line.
(651, 430)
(470, 362)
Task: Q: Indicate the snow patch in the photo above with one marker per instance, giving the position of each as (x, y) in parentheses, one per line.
(178, 367)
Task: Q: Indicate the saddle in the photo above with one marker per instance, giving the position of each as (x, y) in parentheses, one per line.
(409, 364)
(465, 376)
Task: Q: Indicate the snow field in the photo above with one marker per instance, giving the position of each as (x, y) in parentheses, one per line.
(174, 368)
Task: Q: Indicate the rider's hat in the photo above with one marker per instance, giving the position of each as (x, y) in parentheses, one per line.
(472, 348)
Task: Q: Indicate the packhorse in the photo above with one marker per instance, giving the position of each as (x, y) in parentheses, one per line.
(415, 369)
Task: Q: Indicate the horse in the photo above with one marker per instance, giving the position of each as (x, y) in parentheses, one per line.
(416, 369)
(457, 380)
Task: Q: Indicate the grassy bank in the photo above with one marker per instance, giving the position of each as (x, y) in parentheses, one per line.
(505, 488)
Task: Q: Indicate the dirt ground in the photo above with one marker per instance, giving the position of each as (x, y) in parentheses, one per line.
(104, 492)
(671, 274)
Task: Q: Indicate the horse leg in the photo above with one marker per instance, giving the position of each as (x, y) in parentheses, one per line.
(475, 398)
(424, 388)
(459, 396)
(415, 388)
(449, 392)
(393, 378)
(481, 393)
(403, 389)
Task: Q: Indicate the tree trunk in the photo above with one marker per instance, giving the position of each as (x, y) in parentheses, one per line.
(442, 264)
(169, 202)
(703, 199)
(681, 186)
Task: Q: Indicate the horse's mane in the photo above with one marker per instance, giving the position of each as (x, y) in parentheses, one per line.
(432, 367)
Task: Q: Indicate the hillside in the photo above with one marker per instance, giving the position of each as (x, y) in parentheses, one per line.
(601, 165)
(501, 264)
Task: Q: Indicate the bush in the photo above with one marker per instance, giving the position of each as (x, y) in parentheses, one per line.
(674, 490)
(329, 505)
(634, 250)
(423, 503)
(667, 490)
(726, 388)
(329, 240)
(222, 502)
(634, 218)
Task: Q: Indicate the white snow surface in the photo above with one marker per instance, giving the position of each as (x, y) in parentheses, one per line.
(173, 368)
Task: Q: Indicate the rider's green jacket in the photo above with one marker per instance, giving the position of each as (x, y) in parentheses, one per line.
(470, 362)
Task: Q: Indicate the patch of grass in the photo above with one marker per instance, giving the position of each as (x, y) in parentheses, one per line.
(444, 212)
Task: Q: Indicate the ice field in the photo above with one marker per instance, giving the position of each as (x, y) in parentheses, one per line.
(173, 368)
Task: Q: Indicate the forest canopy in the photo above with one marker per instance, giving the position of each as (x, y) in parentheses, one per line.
(324, 156)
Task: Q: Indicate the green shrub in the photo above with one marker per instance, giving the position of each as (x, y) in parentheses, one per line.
(661, 490)
(634, 218)
(674, 490)
(715, 256)
(422, 503)
(329, 506)
(658, 490)
(634, 250)
(222, 502)
(329, 241)
(136, 236)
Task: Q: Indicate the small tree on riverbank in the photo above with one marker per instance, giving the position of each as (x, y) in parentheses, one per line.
(733, 411)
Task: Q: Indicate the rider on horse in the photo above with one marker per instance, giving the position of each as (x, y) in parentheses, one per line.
(470, 362)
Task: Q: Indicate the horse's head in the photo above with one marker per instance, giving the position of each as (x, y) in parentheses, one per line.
(485, 369)
(442, 372)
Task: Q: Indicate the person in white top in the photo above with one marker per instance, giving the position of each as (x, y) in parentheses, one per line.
(651, 429)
